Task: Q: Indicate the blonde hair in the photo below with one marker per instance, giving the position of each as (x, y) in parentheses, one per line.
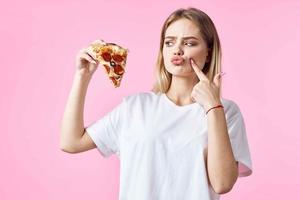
(209, 34)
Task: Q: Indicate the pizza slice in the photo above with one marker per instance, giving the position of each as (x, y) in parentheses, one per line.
(113, 58)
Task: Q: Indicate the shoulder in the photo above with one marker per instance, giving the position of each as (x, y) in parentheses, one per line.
(231, 108)
(229, 104)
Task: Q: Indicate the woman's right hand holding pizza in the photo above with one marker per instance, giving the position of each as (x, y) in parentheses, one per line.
(86, 62)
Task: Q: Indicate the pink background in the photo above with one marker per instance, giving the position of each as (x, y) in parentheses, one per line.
(39, 41)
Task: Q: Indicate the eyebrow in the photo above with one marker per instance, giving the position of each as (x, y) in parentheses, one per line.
(189, 37)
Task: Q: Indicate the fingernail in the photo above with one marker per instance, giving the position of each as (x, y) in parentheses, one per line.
(222, 73)
(192, 62)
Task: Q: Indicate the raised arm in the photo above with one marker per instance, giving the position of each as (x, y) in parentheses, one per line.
(73, 137)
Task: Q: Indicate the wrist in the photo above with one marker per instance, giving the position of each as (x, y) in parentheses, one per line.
(81, 80)
(212, 104)
(83, 76)
(217, 105)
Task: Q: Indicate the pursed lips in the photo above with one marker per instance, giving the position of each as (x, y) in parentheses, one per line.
(177, 60)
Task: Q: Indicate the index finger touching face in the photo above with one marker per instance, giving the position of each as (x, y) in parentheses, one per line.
(198, 71)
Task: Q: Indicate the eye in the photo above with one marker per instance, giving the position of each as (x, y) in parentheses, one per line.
(190, 44)
(168, 43)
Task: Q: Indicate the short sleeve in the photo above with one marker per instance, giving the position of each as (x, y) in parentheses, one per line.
(106, 132)
(238, 138)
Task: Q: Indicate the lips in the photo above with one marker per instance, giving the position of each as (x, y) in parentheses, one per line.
(177, 60)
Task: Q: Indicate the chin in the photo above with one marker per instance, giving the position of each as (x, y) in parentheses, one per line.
(185, 74)
(185, 69)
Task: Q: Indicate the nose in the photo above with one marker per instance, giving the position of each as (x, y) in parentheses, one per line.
(178, 51)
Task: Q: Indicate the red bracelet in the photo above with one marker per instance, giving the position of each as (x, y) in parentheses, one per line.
(218, 106)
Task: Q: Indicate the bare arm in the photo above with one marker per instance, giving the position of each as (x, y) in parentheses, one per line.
(222, 169)
(221, 165)
(72, 127)
(73, 137)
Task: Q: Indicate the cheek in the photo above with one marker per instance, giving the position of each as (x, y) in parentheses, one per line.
(199, 56)
(199, 52)
(166, 56)
(165, 53)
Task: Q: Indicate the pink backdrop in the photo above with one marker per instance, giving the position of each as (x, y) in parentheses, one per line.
(39, 41)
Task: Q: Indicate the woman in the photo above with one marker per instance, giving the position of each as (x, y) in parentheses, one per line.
(179, 141)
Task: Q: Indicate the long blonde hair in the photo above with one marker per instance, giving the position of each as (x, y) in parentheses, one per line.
(209, 34)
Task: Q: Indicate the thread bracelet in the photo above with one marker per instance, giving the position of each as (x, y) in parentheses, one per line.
(218, 106)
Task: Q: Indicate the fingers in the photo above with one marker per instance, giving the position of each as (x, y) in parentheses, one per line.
(89, 55)
(89, 51)
(197, 70)
(217, 79)
(86, 56)
(193, 99)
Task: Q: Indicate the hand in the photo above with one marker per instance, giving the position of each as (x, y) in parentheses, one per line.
(86, 62)
(205, 92)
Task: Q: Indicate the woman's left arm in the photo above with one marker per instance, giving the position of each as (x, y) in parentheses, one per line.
(221, 166)
(222, 169)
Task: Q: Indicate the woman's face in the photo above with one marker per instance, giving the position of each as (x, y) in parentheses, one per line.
(183, 40)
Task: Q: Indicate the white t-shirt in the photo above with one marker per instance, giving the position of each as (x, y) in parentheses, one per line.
(161, 146)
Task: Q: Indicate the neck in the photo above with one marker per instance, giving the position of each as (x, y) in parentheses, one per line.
(181, 89)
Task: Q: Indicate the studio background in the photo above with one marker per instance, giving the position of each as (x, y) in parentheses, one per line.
(40, 39)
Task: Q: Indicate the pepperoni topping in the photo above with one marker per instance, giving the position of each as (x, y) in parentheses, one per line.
(106, 56)
(117, 58)
(118, 70)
